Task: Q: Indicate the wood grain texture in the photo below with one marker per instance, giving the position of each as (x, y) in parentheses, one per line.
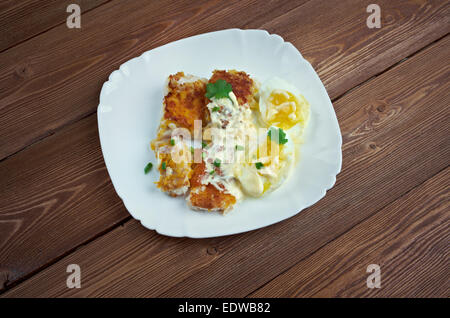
(408, 239)
(396, 136)
(21, 20)
(60, 72)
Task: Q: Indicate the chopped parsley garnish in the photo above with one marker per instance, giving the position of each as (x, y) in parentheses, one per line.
(238, 147)
(217, 163)
(219, 89)
(148, 167)
(212, 172)
(192, 149)
(172, 142)
(259, 165)
(163, 166)
(216, 109)
(204, 144)
(278, 135)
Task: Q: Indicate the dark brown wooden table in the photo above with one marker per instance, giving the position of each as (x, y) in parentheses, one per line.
(389, 87)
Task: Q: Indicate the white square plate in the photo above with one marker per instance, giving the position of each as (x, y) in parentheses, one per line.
(131, 106)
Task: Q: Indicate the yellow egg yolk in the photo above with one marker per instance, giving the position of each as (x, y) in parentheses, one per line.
(283, 109)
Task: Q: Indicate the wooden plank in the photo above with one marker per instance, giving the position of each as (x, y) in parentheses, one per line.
(408, 239)
(21, 20)
(60, 73)
(396, 135)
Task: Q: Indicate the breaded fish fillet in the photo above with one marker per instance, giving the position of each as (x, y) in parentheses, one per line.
(184, 102)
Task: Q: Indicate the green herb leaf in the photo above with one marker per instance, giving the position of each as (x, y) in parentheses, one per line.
(192, 149)
(216, 109)
(217, 163)
(219, 89)
(172, 142)
(238, 147)
(163, 166)
(204, 144)
(148, 167)
(212, 172)
(259, 165)
(277, 135)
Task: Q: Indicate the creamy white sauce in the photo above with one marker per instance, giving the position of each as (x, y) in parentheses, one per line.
(230, 124)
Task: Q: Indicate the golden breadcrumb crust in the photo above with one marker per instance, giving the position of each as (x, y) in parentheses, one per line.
(174, 177)
(243, 86)
(185, 102)
(207, 197)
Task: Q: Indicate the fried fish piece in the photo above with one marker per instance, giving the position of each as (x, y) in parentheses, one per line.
(207, 196)
(244, 87)
(184, 102)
